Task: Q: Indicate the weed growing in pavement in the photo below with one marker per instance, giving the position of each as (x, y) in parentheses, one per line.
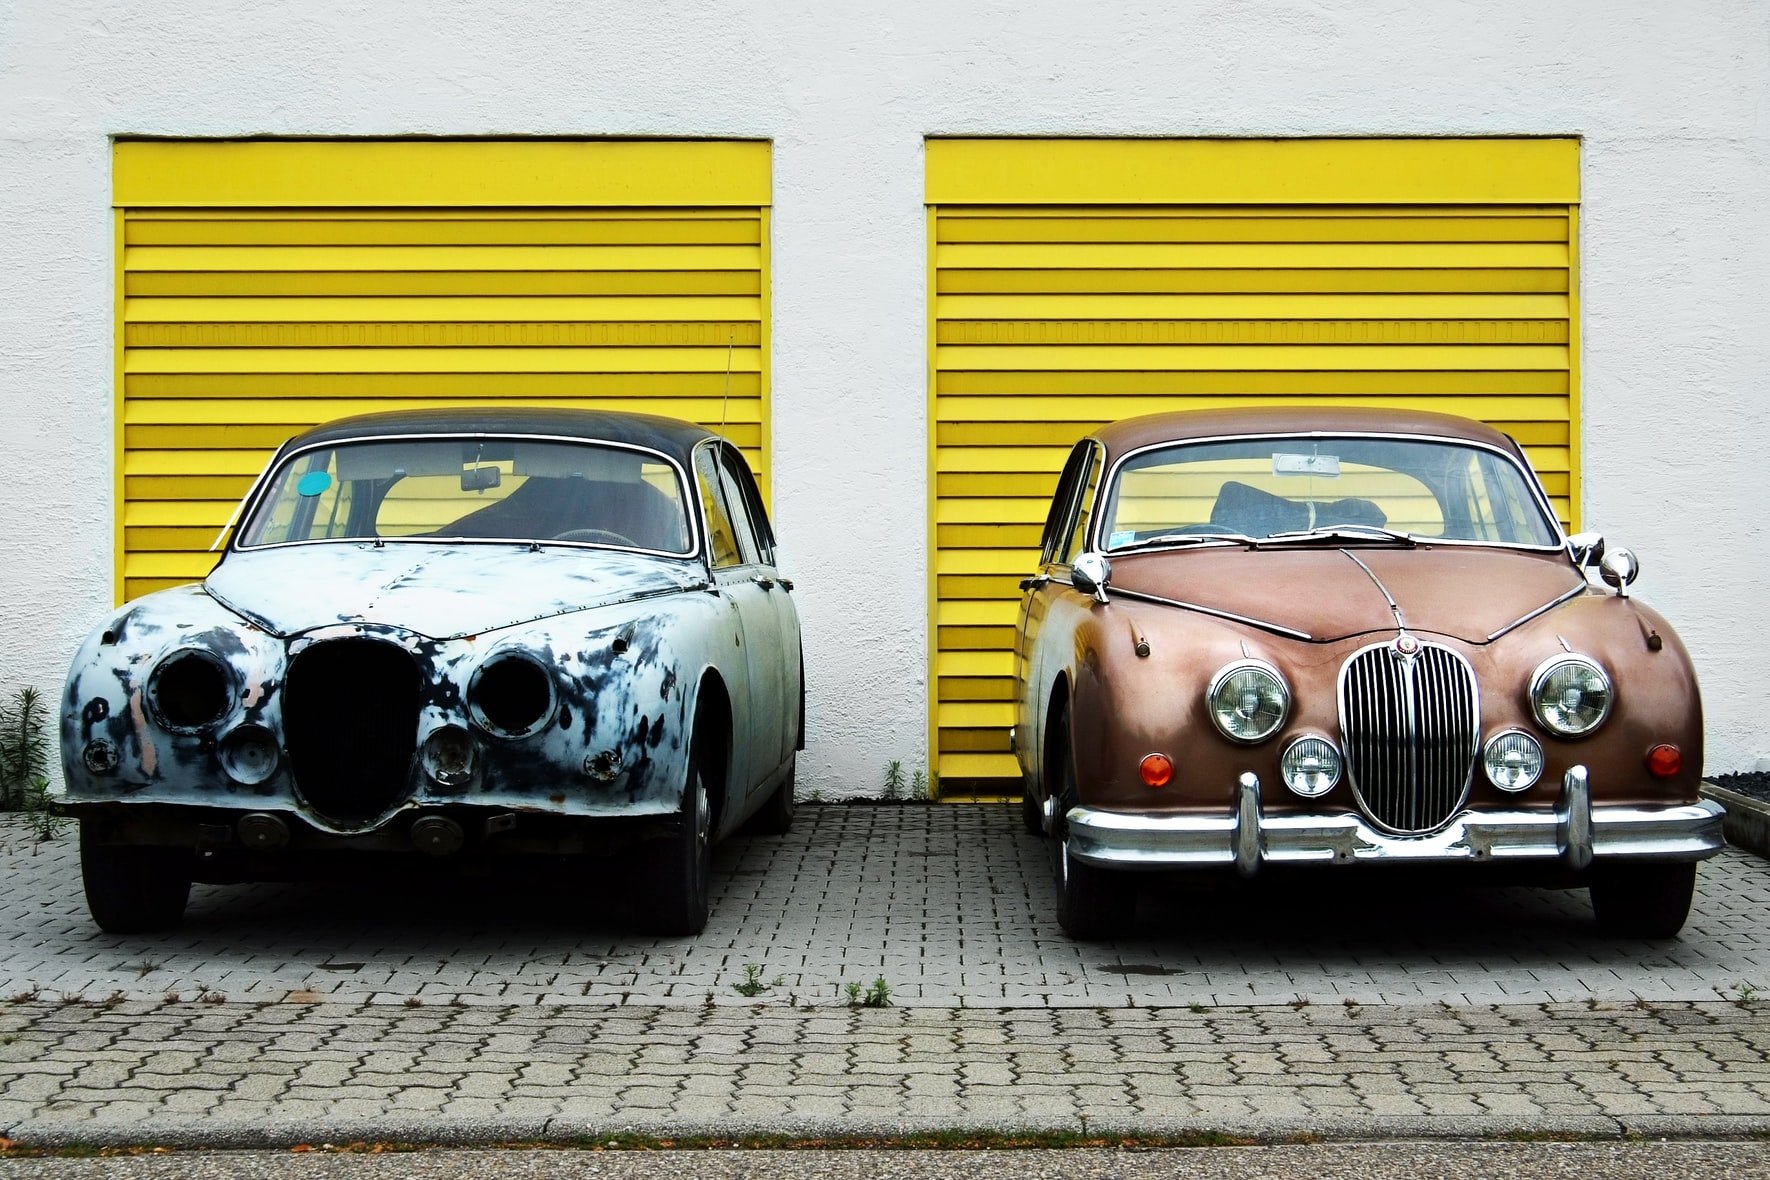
(921, 787)
(112, 1000)
(852, 991)
(878, 995)
(1196, 1008)
(752, 985)
(24, 765)
(894, 782)
(28, 996)
(145, 968)
(1748, 994)
(414, 1002)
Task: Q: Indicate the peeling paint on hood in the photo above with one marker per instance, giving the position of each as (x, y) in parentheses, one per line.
(443, 591)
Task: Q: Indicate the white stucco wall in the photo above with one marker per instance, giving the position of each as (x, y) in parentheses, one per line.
(1672, 102)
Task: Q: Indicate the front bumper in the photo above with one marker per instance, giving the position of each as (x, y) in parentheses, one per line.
(1574, 833)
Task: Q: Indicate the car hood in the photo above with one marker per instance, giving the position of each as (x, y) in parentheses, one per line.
(440, 591)
(1468, 592)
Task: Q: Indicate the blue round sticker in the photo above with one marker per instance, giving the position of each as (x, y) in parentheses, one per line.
(313, 483)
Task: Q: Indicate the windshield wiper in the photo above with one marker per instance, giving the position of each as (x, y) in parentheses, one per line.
(1184, 539)
(1353, 532)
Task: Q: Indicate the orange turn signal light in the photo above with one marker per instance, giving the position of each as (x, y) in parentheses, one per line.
(1157, 770)
(1664, 761)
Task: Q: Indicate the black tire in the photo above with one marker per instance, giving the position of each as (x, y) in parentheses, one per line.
(1030, 816)
(676, 871)
(775, 817)
(1093, 903)
(134, 888)
(1650, 899)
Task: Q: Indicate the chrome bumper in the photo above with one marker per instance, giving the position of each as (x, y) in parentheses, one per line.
(1575, 833)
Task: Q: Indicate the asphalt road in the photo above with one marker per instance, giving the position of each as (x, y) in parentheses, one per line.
(1616, 1160)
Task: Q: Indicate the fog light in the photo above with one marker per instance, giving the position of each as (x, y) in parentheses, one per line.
(1663, 761)
(1157, 770)
(1514, 760)
(1311, 766)
(249, 754)
(447, 756)
(100, 756)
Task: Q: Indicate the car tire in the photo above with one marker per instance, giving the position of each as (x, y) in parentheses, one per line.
(1649, 899)
(134, 888)
(678, 869)
(1030, 817)
(1093, 903)
(775, 817)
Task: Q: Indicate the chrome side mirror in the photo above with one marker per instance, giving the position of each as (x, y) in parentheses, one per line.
(1090, 574)
(1588, 548)
(1618, 569)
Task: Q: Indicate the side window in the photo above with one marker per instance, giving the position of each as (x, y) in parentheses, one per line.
(722, 547)
(1062, 500)
(740, 489)
(740, 511)
(1075, 542)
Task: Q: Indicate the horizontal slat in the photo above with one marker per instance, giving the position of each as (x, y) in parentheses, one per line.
(255, 230)
(975, 688)
(1240, 255)
(221, 259)
(976, 713)
(1112, 357)
(321, 309)
(447, 282)
(443, 334)
(977, 766)
(1318, 305)
(1315, 331)
(1085, 227)
(196, 435)
(1131, 280)
(441, 360)
(1513, 395)
(507, 388)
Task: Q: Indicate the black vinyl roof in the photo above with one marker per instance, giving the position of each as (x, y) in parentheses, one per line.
(670, 436)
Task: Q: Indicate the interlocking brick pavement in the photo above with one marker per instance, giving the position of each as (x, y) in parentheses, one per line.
(948, 904)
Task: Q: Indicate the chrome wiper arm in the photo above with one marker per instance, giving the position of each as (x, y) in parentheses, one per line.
(1357, 532)
(1185, 539)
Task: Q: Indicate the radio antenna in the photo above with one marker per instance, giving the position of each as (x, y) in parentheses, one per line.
(725, 398)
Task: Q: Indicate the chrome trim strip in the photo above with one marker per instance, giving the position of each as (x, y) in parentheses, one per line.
(1276, 629)
(1574, 818)
(1394, 607)
(1142, 840)
(1544, 609)
(1247, 842)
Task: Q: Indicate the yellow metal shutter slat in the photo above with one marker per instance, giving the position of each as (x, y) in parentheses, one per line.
(333, 284)
(1073, 283)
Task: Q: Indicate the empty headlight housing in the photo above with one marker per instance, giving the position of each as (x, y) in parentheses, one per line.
(511, 695)
(1248, 700)
(1311, 766)
(1570, 695)
(1514, 760)
(447, 756)
(189, 690)
(249, 754)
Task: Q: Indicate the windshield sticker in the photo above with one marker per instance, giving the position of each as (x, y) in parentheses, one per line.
(1328, 465)
(1120, 537)
(313, 483)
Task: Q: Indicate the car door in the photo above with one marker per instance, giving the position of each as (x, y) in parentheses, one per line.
(740, 489)
(1065, 526)
(739, 594)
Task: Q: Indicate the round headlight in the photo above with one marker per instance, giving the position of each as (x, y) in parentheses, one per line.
(249, 754)
(1311, 766)
(1514, 760)
(1570, 695)
(1248, 700)
(190, 690)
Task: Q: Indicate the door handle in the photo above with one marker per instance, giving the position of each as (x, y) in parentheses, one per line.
(787, 585)
(764, 581)
(1035, 580)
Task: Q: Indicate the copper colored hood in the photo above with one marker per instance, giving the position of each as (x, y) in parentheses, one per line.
(1333, 593)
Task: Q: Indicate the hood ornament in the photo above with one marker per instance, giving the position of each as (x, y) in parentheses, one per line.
(1406, 645)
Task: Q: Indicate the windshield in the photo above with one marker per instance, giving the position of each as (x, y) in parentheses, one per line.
(508, 489)
(1351, 487)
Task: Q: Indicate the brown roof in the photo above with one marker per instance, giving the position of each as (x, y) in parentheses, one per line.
(1187, 425)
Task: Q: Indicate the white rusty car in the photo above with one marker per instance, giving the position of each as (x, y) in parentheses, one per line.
(449, 635)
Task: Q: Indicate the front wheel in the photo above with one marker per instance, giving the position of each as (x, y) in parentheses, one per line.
(1648, 899)
(677, 870)
(1092, 903)
(133, 888)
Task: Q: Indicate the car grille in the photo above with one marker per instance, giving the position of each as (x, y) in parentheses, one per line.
(1410, 728)
(350, 716)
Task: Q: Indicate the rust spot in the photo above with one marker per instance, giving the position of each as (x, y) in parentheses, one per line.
(559, 798)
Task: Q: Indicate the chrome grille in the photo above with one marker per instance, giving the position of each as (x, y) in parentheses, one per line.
(1410, 724)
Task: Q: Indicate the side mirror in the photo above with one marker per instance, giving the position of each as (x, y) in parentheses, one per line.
(1619, 568)
(1090, 574)
(1588, 548)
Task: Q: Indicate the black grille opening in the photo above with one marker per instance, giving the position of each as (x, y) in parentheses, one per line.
(350, 710)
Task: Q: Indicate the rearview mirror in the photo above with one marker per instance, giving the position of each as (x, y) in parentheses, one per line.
(478, 479)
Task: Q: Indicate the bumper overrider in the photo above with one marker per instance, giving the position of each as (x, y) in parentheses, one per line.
(1574, 833)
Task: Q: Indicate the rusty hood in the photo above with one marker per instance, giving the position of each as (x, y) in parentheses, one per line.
(443, 591)
(1332, 593)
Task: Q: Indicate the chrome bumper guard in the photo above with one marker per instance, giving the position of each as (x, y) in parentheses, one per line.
(1575, 833)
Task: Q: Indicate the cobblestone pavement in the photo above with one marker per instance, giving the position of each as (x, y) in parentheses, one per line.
(218, 1074)
(946, 903)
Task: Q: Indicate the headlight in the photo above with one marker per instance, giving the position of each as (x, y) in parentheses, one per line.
(1570, 695)
(511, 695)
(1311, 766)
(1514, 760)
(190, 689)
(1248, 700)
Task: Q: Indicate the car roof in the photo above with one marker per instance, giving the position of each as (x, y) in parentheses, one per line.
(1132, 434)
(670, 436)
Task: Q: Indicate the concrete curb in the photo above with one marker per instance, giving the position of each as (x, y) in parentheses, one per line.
(1748, 820)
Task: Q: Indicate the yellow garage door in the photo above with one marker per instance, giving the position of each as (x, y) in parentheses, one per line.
(264, 286)
(1073, 282)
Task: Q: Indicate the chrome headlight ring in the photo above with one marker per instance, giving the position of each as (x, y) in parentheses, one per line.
(1311, 766)
(190, 689)
(1248, 701)
(1513, 760)
(1570, 695)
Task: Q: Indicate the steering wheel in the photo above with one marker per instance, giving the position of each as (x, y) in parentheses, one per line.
(600, 536)
(1205, 530)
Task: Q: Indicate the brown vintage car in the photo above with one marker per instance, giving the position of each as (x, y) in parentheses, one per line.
(1315, 636)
